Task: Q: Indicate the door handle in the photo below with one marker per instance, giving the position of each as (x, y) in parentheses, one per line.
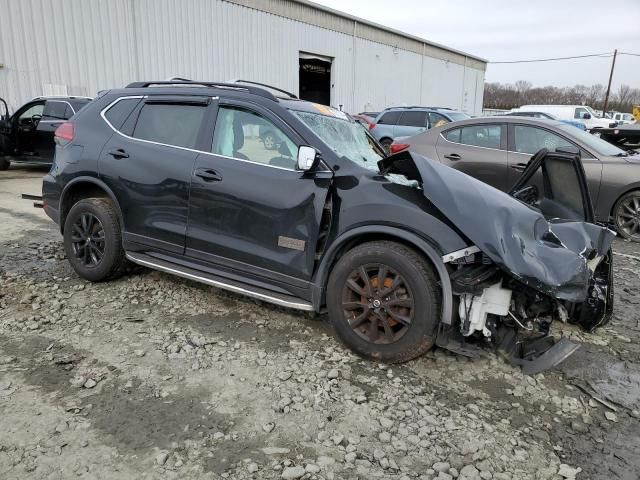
(208, 175)
(519, 166)
(118, 153)
(453, 156)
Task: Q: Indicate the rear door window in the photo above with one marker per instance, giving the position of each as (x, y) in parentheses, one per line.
(487, 136)
(412, 118)
(390, 118)
(531, 139)
(170, 123)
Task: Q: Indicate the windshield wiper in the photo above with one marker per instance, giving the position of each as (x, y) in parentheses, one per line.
(621, 154)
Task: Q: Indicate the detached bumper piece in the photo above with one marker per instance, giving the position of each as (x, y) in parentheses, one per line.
(534, 354)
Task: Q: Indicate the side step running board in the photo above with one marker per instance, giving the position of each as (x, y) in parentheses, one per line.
(219, 282)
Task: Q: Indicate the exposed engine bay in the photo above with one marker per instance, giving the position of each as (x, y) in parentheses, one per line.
(495, 308)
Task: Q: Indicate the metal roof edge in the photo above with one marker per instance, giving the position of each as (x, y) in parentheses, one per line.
(388, 29)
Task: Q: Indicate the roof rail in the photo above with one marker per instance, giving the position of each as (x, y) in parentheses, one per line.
(232, 86)
(289, 94)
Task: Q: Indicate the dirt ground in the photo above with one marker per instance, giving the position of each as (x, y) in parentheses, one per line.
(152, 376)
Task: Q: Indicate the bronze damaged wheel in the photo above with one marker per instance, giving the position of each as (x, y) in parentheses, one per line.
(384, 302)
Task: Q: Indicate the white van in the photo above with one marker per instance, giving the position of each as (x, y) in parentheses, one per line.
(622, 118)
(581, 113)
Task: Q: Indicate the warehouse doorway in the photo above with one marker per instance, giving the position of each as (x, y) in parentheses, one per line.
(315, 78)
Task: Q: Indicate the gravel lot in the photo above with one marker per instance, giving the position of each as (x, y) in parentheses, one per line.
(152, 376)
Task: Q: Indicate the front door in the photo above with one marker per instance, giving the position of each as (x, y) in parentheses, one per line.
(250, 208)
(477, 150)
(148, 164)
(24, 134)
(525, 140)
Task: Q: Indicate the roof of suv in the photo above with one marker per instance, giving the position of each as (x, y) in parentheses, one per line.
(259, 91)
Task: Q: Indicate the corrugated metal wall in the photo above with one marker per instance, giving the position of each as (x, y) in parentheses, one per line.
(81, 46)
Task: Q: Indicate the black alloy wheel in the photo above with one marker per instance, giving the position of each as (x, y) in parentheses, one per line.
(87, 239)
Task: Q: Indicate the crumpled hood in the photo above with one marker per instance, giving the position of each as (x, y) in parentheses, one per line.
(550, 256)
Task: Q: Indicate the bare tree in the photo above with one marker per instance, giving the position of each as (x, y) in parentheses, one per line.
(522, 92)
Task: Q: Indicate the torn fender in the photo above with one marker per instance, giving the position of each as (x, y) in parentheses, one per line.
(549, 256)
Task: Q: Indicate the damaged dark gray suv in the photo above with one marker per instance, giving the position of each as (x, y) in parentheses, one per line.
(402, 252)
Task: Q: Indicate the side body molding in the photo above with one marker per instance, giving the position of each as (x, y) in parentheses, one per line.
(322, 273)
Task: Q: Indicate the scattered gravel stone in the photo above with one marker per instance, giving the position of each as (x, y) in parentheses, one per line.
(90, 383)
(566, 471)
(161, 459)
(291, 473)
(333, 373)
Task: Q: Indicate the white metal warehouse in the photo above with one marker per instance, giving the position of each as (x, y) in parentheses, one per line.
(78, 47)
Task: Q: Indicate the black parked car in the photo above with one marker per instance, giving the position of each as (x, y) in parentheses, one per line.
(27, 135)
(400, 253)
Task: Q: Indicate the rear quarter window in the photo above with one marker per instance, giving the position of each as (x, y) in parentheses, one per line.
(118, 113)
(452, 135)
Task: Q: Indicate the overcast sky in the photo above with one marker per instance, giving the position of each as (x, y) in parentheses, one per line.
(520, 30)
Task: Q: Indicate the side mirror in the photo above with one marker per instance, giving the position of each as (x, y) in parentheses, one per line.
(586, 116)
(306, 158)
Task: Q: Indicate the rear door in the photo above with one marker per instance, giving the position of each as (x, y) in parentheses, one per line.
(479, 150)
(148, 163)
(411, 123)
(250, 209)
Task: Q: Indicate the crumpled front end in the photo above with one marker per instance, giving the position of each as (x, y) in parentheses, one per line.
(524, 269)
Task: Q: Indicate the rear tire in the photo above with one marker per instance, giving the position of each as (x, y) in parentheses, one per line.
(93, 240)
(376, 322)
(626, 215)
(5, 163)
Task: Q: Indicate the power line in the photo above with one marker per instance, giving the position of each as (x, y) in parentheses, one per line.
(601, 55)
(627, 53)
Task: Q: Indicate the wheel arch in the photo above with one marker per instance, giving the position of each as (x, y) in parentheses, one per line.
(85, 187)
(369, 233)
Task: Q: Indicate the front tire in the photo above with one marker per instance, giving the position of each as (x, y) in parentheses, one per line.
(93, 239)
(626, 215)
(384, 302)
(5, 163)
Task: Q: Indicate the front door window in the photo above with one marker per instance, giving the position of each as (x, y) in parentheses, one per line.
(246, 135)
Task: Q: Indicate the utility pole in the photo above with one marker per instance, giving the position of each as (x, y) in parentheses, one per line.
(606, 98)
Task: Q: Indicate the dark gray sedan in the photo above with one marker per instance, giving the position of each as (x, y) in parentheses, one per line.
(497, 149)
